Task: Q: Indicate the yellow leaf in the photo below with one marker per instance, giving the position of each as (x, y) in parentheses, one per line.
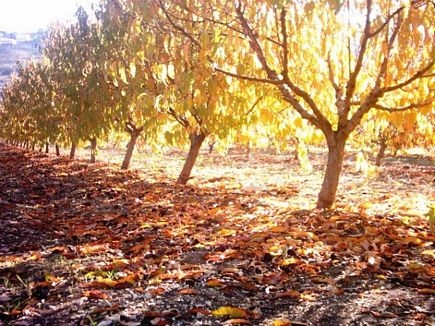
(226, 232)
(132, 69)
(123, 75)
(230, 311)
(412, 240)
(289, 261)
(282, 322)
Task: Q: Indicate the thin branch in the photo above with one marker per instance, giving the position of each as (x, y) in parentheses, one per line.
(181, 120)
(318, 119)
(254, 105)
(384, 64)
(351, 84)
(419, 74)
(377, 31)
(401, 109)
(250, 78)
(284, 44)
(179, 28)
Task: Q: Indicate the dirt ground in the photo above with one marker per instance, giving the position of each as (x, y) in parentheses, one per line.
(84, 244)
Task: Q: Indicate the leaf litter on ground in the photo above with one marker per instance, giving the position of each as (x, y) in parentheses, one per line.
(90, 244)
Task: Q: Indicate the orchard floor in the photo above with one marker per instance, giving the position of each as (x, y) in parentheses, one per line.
(84, 244)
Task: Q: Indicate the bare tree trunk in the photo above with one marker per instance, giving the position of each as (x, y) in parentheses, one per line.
(72, 153)
(33, 146)
(47, 148)
(195, 145)
(381, 153)
(332, 175)
(93, 149)
(211, 147)
(295, 142)
(248, 149)
(134, 135)
(57, 150)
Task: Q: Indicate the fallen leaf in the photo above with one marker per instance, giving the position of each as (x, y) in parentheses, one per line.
(188, 291)
(230, 311)
(236, 321)
(289, 294)
(215, 283)
(95, 294)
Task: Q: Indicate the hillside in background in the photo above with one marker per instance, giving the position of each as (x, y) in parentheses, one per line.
(17, 47)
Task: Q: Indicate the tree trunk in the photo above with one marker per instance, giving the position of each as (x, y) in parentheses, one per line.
(47, 149)
(332, 175)
(248, 149)
(57, 150)
(381, 153)
(195, 145)
(134, 135)
(211, 147)
(72, 153)
(33, 146)
(93, 149)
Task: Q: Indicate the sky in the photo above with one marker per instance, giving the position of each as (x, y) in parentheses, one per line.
(31, 15)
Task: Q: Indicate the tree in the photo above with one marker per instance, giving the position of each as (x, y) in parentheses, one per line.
(127, 39)
(332, 64)
(172, 82)
(86, 99)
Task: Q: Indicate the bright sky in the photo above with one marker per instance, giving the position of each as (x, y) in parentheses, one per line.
(31, 15)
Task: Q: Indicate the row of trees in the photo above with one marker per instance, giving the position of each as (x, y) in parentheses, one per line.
(183, 71)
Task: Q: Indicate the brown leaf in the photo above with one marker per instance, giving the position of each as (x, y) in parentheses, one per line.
(95, 294)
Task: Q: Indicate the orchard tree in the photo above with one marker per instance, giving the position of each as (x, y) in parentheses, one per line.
(83, 93)
(168, 79)
(128, 41)
(332, 62)
(395, 131)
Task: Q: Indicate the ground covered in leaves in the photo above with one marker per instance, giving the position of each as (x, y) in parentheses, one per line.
(84, 244)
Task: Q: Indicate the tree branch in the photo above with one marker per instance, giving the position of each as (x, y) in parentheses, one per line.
(417, 75)
(284, 44)
(401, 109)
(318, 119)
(250, 78)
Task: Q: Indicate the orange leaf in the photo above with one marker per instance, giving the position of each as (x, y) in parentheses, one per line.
(278, 229)
(426, 291)
(199, 311)
(236, 321)
(95, 294)
(215, 282)
(188, 291)
(86, 250)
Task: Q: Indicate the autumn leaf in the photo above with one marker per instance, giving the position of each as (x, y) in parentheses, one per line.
(215, 283)
(289, 294)
(230, 311)
(188, 291)
(95, 294)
